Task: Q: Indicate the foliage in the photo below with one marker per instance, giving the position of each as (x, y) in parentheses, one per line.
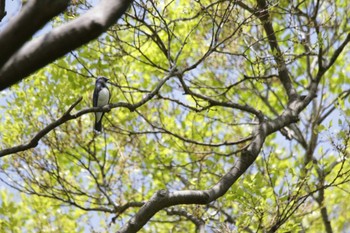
(194, 129)
(37, 215)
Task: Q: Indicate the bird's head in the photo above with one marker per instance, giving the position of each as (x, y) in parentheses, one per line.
(102, 79)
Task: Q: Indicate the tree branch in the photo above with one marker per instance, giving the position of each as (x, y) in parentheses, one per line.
(163, 130)
(345, 94)
(35, 14)
(213, 102)
(200, 224)
(122, 208)
(67, 116)
(45, 49)
(35, 140)
(265, 18)
(334, 57)
(2, 10)
(164, 198)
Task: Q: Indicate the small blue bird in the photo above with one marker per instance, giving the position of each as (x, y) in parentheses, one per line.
(100, 98)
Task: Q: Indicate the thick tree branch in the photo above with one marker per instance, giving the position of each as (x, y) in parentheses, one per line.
(35, 14)
(67, 116)
(45, 49)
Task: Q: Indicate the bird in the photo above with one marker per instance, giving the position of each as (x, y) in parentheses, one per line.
(100, 98)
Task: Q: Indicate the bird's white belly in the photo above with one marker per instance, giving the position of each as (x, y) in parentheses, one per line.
(103, 97)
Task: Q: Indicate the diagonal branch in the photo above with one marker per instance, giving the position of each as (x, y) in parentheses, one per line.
(345, 94)
(322, 70)
(35, 140)
(59, 41)
(265, 18)
(35, 14)
(67, 116)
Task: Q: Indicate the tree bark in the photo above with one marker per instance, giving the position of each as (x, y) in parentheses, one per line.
(39, 52)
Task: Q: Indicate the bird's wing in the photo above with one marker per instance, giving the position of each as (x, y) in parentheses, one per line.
(95, 95)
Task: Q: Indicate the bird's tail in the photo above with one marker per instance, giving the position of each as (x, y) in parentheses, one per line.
(98, 125)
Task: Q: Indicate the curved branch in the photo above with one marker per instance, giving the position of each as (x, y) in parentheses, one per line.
(47, 48)
(213, 102)
(163, 130)
(164, 198)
